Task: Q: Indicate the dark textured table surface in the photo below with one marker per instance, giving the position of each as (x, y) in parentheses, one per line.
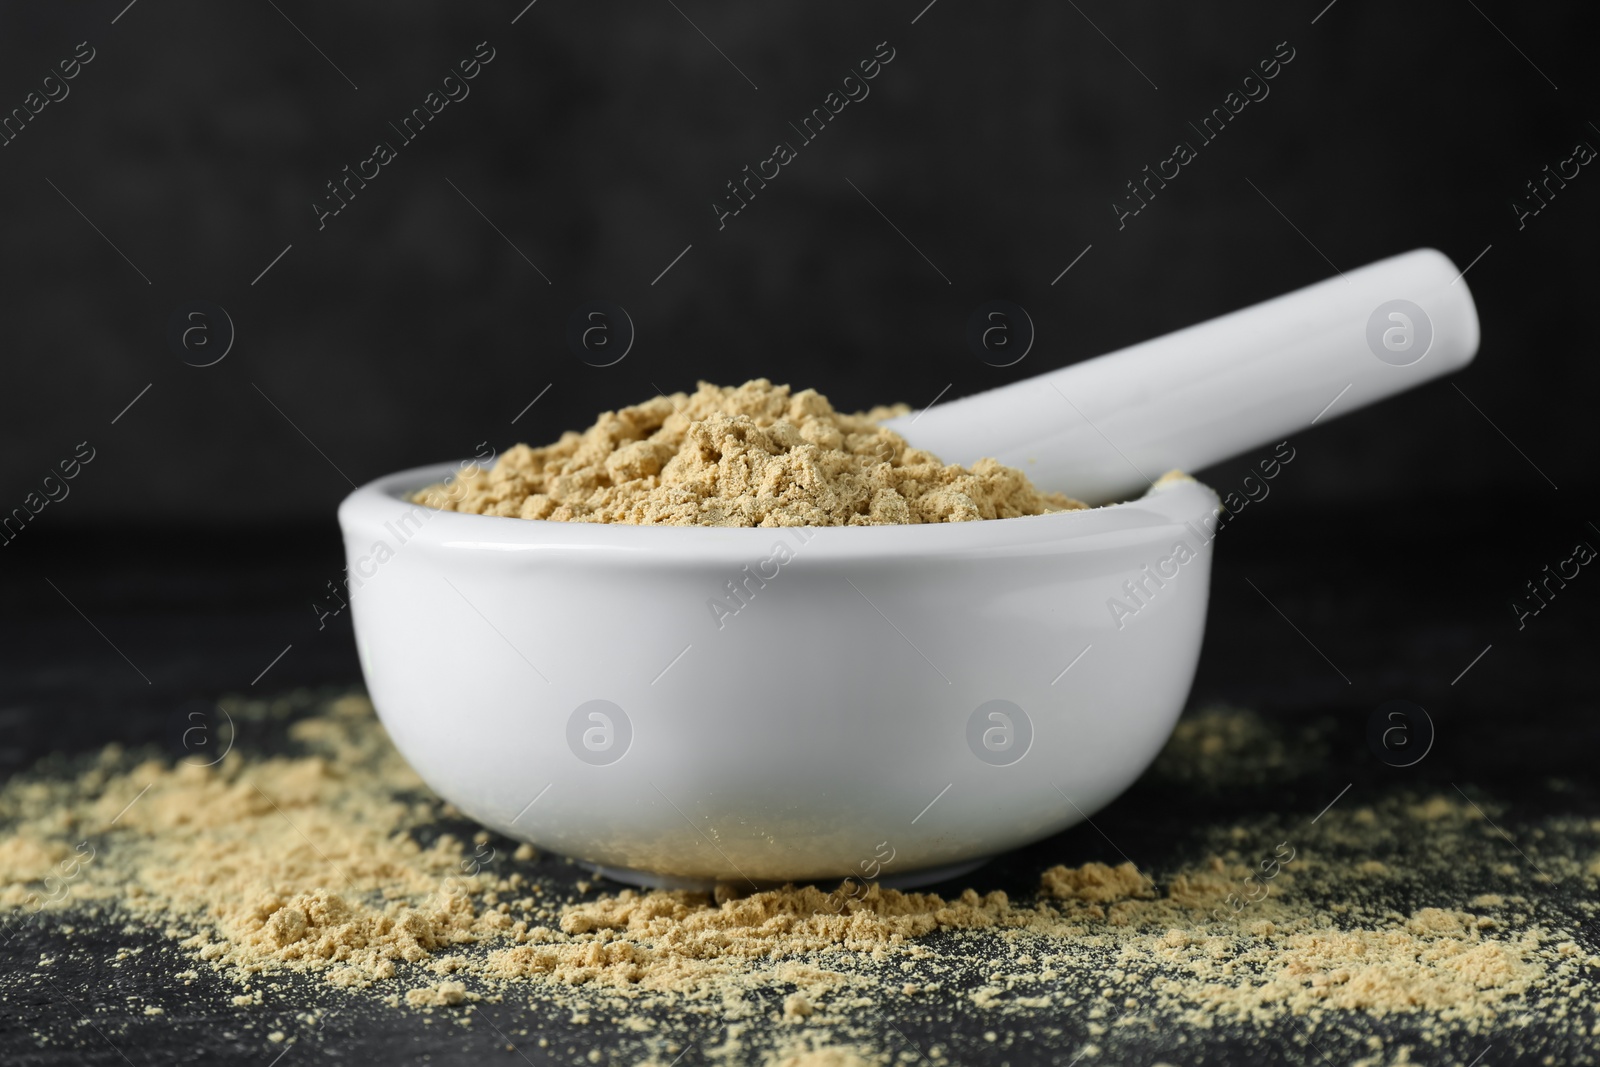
(1315, 619)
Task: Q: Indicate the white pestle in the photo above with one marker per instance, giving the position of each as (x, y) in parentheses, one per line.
(1103, 429)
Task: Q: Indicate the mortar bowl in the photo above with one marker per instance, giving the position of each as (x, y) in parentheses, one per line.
(686, 706)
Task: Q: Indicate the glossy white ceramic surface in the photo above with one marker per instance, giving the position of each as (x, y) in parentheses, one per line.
(833, 716)
(1101, 429)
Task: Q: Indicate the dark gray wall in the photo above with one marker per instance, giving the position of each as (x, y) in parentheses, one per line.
(409, 329)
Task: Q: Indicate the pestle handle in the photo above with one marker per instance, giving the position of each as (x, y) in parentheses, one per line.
(1102, 429)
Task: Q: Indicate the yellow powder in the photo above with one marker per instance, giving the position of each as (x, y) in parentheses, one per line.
(796, 1006)
(755, 455)
(443, 995)
(1220, 749)
(1095, 883)
(329, 863)
(827, 1057)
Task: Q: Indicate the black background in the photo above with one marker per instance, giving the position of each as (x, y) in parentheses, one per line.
(407, 330)
(412, 327)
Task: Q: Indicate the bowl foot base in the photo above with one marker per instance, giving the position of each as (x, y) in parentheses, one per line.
(907, 880)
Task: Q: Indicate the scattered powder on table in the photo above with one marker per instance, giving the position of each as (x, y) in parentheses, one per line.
(328, 864)
(1221, 749)
(755, 455)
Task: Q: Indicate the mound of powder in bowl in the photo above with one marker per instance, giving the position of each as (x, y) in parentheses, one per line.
(755, 455)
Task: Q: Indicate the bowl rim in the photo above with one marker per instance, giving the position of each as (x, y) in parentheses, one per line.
(377, 505)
